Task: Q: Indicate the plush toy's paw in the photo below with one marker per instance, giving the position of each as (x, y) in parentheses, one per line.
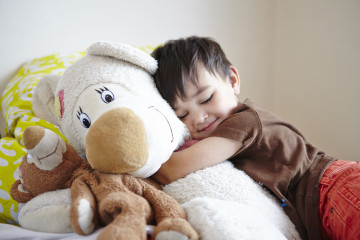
(48, 212)
(45, 147)
(121, 232)
(175, 228)
(19, 193)
(171, 235)
(85, 216)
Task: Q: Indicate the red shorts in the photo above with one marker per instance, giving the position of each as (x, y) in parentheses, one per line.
(339, 200)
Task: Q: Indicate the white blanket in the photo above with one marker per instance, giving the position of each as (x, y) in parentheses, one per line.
(223, 202)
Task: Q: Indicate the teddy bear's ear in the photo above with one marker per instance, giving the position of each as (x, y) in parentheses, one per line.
(43, 103)
(125, 53)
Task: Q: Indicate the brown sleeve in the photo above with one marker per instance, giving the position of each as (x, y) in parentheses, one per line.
(243, 126)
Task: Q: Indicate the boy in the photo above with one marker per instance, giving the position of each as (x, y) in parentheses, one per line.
(202, 86)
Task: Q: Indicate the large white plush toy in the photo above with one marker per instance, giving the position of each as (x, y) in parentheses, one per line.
(107, 106)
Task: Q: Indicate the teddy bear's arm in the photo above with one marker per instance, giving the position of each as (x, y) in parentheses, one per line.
(19, 193)
(169, 214)
(83, 216)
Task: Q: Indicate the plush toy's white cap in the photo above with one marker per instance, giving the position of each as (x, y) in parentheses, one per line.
(124, 52)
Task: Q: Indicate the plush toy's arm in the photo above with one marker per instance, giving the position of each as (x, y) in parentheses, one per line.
(83, 214)
(19, 193)
(169, 214)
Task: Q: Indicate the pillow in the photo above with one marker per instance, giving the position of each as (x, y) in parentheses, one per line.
(16, 107)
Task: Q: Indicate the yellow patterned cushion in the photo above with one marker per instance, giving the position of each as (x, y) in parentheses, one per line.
(16, 108)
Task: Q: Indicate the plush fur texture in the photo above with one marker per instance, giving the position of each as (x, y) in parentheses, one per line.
(234, 221)
(122, 203)
(223, 202)
(34, 180)
(55, 203)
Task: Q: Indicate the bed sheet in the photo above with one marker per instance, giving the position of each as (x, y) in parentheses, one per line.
(12, 232)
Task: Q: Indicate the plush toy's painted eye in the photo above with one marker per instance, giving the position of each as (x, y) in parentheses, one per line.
(106, 95)
(84, 119)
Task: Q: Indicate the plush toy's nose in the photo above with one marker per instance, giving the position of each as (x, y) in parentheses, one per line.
(116, 142)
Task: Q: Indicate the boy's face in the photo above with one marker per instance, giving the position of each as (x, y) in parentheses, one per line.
(208, 104)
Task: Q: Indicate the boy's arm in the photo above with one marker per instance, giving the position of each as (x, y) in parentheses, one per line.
(207, 152)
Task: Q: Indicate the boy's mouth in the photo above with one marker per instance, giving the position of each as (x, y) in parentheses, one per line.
(210, 126)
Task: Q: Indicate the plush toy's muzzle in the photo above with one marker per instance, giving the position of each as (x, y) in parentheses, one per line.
(116, 142)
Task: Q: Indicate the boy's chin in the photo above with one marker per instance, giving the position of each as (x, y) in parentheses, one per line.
(202, 135)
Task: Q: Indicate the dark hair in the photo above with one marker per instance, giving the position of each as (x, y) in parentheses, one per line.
(179, 59)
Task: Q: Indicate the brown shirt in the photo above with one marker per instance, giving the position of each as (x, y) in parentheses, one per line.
(277, 155)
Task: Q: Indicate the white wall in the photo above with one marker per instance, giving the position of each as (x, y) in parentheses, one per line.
(318, 72)
(33, 28)
(297, 58)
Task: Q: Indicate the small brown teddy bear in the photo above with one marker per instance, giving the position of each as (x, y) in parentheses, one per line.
(122, 203)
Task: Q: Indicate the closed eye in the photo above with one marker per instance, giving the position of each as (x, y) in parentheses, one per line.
(183, 116)
(207, 100)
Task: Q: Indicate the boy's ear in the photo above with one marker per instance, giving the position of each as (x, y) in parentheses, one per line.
(235, 80)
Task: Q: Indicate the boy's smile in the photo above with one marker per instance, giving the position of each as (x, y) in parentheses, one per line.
(209, 103)
(209, 127)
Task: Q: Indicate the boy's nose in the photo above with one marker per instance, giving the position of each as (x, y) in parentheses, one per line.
(200, 117)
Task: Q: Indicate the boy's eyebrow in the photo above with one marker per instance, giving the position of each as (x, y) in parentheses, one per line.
(200, 90)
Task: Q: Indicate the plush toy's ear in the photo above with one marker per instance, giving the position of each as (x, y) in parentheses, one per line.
(125, 53)
(44, 99)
